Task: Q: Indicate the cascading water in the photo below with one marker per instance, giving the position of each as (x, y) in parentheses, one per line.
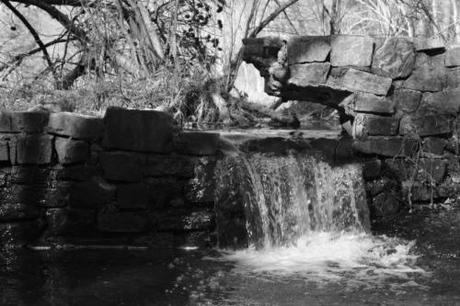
(304, 216)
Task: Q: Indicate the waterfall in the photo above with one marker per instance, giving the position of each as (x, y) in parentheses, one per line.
(287, 197)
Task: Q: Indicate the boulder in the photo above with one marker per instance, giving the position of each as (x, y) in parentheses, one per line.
(351, 50)
(33, 149)
(138, 130)
(77, 126)
(445, 102)
(356, 80)
(395, 58)
(122, 166)
(428, 75)
(453, 57)
(430, 125)
(71, 151)
(369, 103)
(307, 49)
(311, 74)
(386, 146)
(197, 143)
(169, 165)
(371, 125)
(406, 101)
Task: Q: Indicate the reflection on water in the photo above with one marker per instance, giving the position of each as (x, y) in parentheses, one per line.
(177, 277)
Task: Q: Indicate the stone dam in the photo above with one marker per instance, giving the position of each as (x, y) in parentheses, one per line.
(133, 178)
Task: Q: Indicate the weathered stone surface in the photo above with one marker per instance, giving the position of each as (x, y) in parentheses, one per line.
(311, 74)
(386, 146)
(75, 125)
(429, 74)
(17, 211)
(406, 101)
(201, 187)
(395, 58)
(122, 166)
(365, 125)
(434, 145)
(355, 80)
(71, 151)
(384, 205)
(170, 165)
(34, 149)
(279, 72)
(453, 57)
(30, 175)
(138, 130)
(423, 170)
(369, 103)
(262, 46)
(74, 172)
(432, 169)
(91, 194)
(351, 50)
(379, 185)
(429, 44)
(453, 78)
(19, 233)
(4, 151)
(182, 221)
(418, 192)
(114, 221)
(444, 102)
(132, 196)
(307, 49)
(197, 143)
(70, 222)
(27, 122)
(163, 191)
(430, 125)
(56, 196)
(372, 169)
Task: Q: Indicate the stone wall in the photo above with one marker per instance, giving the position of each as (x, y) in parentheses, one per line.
(130, 178)
(398, 98)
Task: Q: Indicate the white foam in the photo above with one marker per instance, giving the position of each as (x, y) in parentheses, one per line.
(332, 256)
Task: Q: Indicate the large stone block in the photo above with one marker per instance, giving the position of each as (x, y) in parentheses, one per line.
(453, 78)
(429, 74)
(111, 220)
(371, 125)
(429, 45)
(74, 172)
(76, 126)
(445, 102)
(71, 151)
(351, 50)
(406, 101)
(165, 192)
(91, 194)
(372, 169)
(170, 165)
(122, 166)
(453, 57)
(395, 58)
(17, 211)
(132, 196)
(432, 169)
(197, 143)
(386, 146)
(138, 130)
(434, 145)
(30, 175)
(27, 122)
(385, 204)
(307, 49)
(34, 149)
(430, 125)
(312, 74)
(356, 80)
(369, 103)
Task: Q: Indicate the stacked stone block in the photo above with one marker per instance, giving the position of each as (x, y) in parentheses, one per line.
(398, 98)
(129, 178)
